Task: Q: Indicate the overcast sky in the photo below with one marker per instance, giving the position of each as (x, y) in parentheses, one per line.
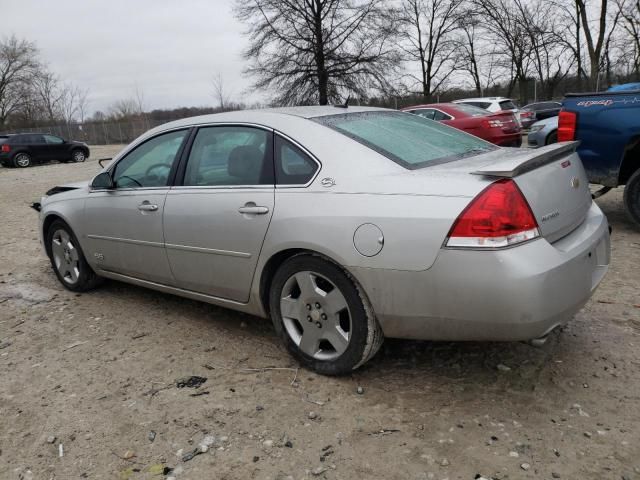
(169, 49)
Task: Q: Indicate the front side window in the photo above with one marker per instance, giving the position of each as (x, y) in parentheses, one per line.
(230, 156)
(293, 166)
(149, 164)
(409, 140)
(52, 140)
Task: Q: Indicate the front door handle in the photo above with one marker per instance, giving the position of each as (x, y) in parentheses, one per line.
(147, 207)
(253, 209)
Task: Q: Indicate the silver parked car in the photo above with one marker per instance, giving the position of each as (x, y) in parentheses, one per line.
(543, 132)
(344, 225)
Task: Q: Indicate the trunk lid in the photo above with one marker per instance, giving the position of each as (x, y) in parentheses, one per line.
(552, 180)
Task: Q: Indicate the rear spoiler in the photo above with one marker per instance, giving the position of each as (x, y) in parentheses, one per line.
(521, 163)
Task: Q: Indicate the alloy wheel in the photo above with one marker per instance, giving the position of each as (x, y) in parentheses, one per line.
(315, 315)
(23, 160)
(65, 256)
(78, 156)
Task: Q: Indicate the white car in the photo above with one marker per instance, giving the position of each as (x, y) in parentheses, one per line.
(493, 104)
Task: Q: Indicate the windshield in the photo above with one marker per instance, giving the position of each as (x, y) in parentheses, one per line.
(409, 140)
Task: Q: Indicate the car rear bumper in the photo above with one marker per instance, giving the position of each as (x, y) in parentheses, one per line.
(519, 293)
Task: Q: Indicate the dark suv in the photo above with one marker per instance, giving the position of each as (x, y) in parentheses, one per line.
(24, 149)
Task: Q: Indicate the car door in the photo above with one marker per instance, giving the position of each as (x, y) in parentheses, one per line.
(215, 221)
(56, 148)
(124, 224)
(38, 147)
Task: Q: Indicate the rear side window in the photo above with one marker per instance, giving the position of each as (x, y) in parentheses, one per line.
(483, 105)
(409, 140)
(293, 166)
(470, 109)
(230, 156)
(53, 140)
(425, 112)
(507, 105)
(438, 116)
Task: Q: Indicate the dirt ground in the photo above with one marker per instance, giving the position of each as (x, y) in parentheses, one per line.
(97, 371)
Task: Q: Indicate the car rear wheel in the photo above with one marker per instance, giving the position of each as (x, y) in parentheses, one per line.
(78, 156)
(552, 138)
(22, 160)
(67, 259)
(322, 316)
(632, 197)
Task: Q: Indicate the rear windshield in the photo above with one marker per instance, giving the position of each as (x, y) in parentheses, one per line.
(507, 105)
(409, 140)
(470, 109)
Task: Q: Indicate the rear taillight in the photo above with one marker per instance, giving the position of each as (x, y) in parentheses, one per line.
(498, 217)
(567, 126)
(492, 123)
(5, 148)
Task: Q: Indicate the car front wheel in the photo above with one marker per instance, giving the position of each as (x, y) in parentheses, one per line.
(322, 316)
(632, 197)
(67, 259)
(22, 160)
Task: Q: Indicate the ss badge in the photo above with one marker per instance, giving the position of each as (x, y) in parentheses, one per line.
(98, 256)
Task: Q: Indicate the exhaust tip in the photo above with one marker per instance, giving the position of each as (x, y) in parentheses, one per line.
(539, 342)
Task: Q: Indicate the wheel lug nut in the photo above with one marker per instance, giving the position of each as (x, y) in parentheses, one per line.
(308, 307)
(317, 305)
(318, 324)
(309, 318)
(324, 316)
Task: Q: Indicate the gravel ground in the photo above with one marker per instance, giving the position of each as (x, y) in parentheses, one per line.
(93, 375)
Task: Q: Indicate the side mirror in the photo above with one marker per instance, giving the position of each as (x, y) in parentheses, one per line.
(103, 181)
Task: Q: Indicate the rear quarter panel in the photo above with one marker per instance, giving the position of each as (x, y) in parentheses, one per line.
(414, 226)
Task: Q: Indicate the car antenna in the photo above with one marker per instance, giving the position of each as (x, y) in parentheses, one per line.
(346, 103)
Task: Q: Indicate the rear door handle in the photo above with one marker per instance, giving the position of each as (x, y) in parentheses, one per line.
(253, 210)
(147, 207)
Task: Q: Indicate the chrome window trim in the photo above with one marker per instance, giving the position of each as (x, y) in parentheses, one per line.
(307, 152)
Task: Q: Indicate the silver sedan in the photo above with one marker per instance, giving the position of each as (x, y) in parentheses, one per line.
(343, 225)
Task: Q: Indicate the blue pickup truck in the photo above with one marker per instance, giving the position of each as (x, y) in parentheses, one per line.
(607, 124)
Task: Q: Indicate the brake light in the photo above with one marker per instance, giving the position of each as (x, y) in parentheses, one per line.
(498, 217)
(567, 126)
(5, 148)
(492, 123)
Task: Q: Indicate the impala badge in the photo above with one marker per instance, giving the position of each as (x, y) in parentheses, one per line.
(328, 182)
(575, 182)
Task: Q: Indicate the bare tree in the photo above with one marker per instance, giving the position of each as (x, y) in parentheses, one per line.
(630, 13)
(125, 108)
(49, 93)
(596, 37)
(73, 104)
(427, 38)
(18, 63)
(504, 21)
(220, 93)
(318, 50)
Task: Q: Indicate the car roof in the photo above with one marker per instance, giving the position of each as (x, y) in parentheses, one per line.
(270, 117)
(482, 99)
(431, 105)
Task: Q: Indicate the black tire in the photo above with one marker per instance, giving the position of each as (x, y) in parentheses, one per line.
(78, 155)
(364, 333)
(552, 138)
(82, 278)
(631, 197)
(22, 160)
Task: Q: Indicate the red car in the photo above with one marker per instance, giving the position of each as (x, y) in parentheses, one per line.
(500, 128)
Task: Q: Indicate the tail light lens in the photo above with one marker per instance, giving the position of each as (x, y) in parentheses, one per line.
(567, 126)
(5, 148)
(492, 123)
(498, 217)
